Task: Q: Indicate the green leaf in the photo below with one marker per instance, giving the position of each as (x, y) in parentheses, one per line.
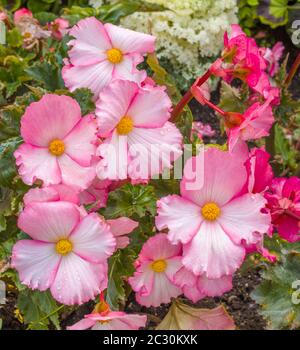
(45, 17)
(283, 148)
(10, 121)
(48, 74)
(7, 161)
(14, 38)
(273, 12)
(278, 294)
(38, 308)
(112, 13)
(85, 99)
(38, 5)
(130, 200)
(231, 99)
(120, 268)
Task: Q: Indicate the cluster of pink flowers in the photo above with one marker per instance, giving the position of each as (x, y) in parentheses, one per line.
(204, 233)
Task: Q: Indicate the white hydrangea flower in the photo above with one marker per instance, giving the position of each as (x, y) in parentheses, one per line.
(189, 36)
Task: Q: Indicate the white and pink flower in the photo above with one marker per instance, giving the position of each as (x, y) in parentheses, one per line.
(58, 143)
(67, 253)
(101, 53)
(140, 141)
(157, 264)
(214, 216)
(102, 318)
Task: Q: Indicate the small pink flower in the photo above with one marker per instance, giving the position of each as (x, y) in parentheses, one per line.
(258, 247)
(3, 16)
(23, 12)
(103, 52)
(214, 214)
(140, 142)
(120, 228)
(59, 28)
(273, 56)
(157, 264)
(67, 253)
(58, 144)
(254, 124)
(284, 205)
(102, 318)
(199, 287)
(259, 170)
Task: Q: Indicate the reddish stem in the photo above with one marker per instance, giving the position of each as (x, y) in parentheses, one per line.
(292, 71)
(188, 96)
(211, 105)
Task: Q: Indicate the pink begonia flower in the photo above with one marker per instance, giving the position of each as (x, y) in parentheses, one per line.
(3, 16)
(157, 264)
(200, 130)
(273, 56)
(284, 204)
(214, 214)
(120, 228)
(102, 318)
(140, 142)
(23, 12)
(58, 28)
(67, 253)
(259, 170)
(58, 143)
(254, 124)
(53, 193)
(199, 287)
(103, 52)
(96, 194)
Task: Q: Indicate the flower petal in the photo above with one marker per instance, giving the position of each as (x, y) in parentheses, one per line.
(36, 263)
(241, 217)
(95, 77)
(220, 183)
(150, 108)
(128, 40)
(79, 143)
(52, 117)
(37, 163)
(74, 174)
(49, 221)
(180, 216)
(113, 104)
(83, 324)
(77, 281)
(92, 239)
(212, 252)
(153, 150)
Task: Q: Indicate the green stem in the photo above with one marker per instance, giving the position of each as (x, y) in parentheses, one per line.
(49, 315)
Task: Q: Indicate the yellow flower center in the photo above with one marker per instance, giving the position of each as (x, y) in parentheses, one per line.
(125, 125)
(159, 265)
(56, 147)
(114, 55)
(64, 247)
(27, 35)
(210, 211)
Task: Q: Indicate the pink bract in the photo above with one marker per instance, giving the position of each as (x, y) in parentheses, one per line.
(284, 205)
(58, 143)
(215, 216)
(157, 264)
(92, 63)
(120, 228)
(140, 141)
(273, 56)
(67, 253)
